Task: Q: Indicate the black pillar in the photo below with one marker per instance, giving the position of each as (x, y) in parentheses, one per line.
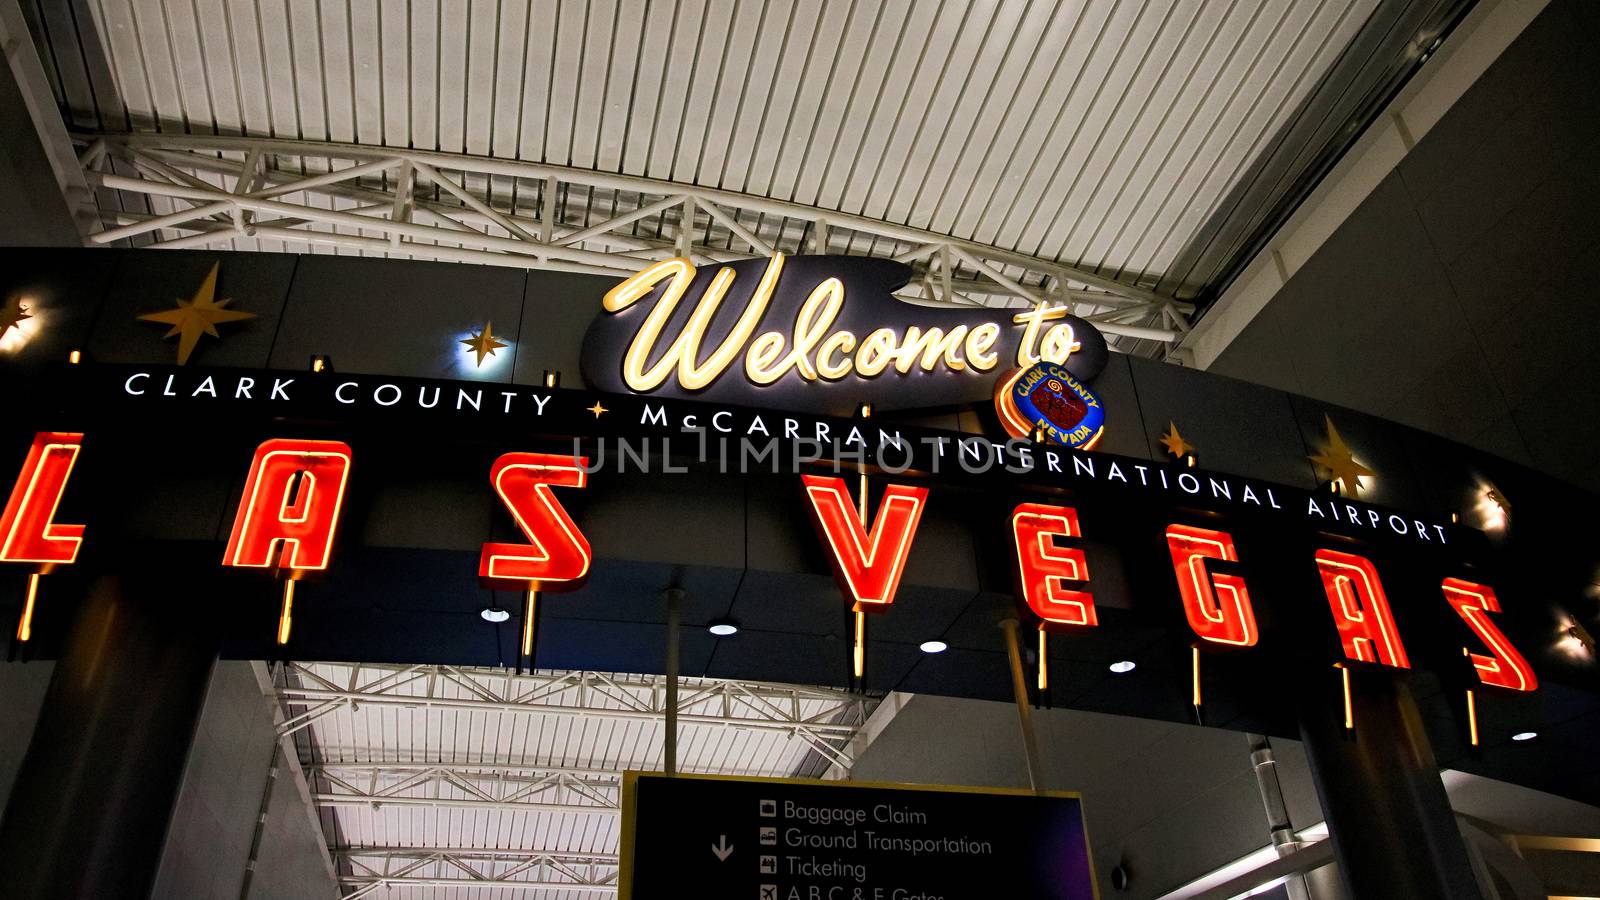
(89, 812)
(1394, 834)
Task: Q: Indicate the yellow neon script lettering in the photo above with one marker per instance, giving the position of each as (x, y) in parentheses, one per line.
(838, 342)
(766, 363)
(812, 348)
(1059, 340)
(980, 346)
(683, 351)
(931, 345)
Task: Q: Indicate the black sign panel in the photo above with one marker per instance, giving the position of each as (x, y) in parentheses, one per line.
(772, 839)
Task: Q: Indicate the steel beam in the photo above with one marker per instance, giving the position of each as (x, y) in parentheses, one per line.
(613, 242)
(366, 884)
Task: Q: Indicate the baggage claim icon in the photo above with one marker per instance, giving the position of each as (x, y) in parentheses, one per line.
(1044, 401)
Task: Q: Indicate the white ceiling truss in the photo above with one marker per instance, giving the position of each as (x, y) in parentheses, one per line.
(375, 868)
(445, 781)
(1011, 151)
(219, 191)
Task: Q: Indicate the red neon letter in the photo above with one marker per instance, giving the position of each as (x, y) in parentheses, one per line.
(1506, 668)
(1044, 569)
(866, 565)
(1361, 609)
(292, 497)
(31, 534)
(1217, 604)
(558, 557)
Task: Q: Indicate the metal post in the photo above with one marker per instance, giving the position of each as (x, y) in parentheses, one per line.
(1282, 831)
(674, 600)
(1019, 687)
(261, 821)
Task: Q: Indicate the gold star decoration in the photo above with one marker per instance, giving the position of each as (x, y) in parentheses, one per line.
(12, 314)
(1339, 462)
(484, 343)
(1174, 442)
(597, 409)
(198, 316)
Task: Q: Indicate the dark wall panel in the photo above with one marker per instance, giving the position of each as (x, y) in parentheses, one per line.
(155, 281)
(1458, 297)
(340, 306)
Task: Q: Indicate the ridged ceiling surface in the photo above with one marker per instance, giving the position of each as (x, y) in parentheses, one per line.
(1100, 134)
(505, 741)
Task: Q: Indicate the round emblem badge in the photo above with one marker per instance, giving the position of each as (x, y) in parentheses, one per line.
(1045, 397)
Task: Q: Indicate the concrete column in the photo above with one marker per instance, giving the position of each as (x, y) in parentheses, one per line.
(1394, 834)
(93, 797)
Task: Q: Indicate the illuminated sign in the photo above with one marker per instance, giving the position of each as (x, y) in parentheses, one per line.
(884, 841)
(866, 564)
(291, 501)
(291, 504)
(1505, 668)
(1045, 399)
(1045, 570)
(558, 556)
(1217, 604)
(1361, 609)
(292, 498)
(777, 330)
(291, 507)
(28, 530)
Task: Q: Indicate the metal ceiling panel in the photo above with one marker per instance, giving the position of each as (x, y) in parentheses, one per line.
(425, 776)
(1096, 134)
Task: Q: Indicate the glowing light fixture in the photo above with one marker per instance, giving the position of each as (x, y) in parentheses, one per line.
(1492, 508)
(19, 319)
(723, 628)
(552, 379)
(1123, 667)
(1349, 706)
(1472, 719)
(494, 614)
(75, 356)
(1575, 633)
(321, 363)
(1525, 735)
(934, 646)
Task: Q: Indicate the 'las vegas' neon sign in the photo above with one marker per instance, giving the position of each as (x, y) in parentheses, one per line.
(292, 503)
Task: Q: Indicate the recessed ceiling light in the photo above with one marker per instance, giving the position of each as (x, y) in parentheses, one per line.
(495, 614)
(1123, 667)
(723, 628)
(1525, 735)
(934, 646)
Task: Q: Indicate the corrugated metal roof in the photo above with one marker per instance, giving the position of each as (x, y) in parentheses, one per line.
(1099, 134)
(433, 759)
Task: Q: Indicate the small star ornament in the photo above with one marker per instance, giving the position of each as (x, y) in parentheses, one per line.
(1340, 463)
(1174, 442)
(200, 315)
(11, 316)
(484, 343)
(597, 409)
